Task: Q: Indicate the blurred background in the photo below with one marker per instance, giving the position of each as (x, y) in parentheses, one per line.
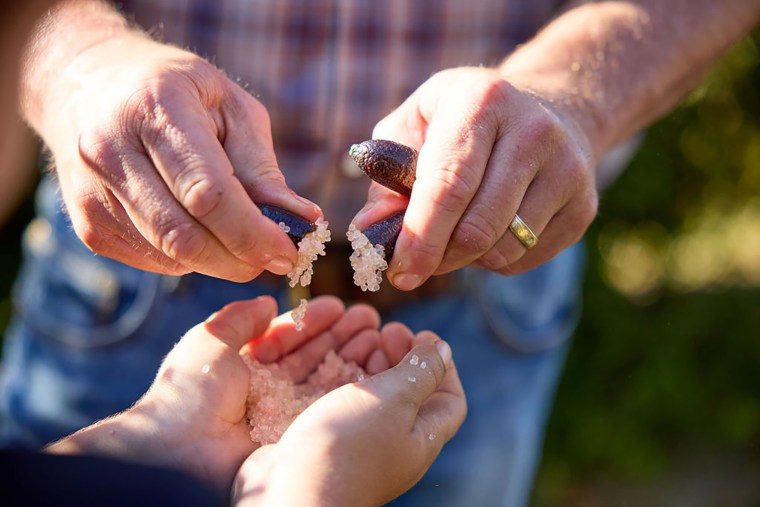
(659, 403)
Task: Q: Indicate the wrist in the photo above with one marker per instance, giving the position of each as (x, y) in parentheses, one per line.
(557, 92)
(63, 33)
(123, 436)
(585, 75)
(267, 478)
(61, 40)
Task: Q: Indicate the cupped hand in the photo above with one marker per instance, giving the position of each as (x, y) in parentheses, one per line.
(161, 160)
(364, 443)
(488, 151)
(196, 408)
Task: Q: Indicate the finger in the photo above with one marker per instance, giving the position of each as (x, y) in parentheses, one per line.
(416, 377)
(565, 229)
(282, 337)
(450, 168)
(239, 322)
(395, 341)
(209, 345)
(357, 318)
(197, 171)
(106, 228)
(305, 360)
(543, 200)
(442, 413)
(450, 383)
(509, 172)
(156, 214)
(248, 144)
(360, 348)
(404, 124)
(381, 203)
(377, 362)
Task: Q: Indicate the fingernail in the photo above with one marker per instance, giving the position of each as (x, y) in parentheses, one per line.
(279, 265)
(444, 350)
(407, 281)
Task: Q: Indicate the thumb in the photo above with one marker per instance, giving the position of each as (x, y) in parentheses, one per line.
(404, 125)
(416, 377)
(222, 335)
(239, 322)
(426, 391)
(381, 203)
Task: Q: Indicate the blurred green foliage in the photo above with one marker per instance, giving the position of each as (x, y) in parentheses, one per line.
(653, 375)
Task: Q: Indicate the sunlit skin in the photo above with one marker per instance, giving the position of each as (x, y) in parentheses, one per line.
(143, 178)
(160, 157)
(341, 451)
(526, 137)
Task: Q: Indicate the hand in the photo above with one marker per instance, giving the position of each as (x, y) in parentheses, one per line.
(161, 159)
(364, 443)
(194, 415)
(488, 150)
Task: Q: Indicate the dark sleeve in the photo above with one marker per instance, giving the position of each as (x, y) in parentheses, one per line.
(28, 478)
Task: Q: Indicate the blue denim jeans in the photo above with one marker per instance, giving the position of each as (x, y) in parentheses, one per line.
(89, 334)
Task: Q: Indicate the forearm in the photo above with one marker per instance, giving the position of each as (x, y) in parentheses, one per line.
(64, 33)
(125, 436)
(615, 67)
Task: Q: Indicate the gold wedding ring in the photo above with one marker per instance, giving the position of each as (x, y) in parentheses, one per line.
(527, 237)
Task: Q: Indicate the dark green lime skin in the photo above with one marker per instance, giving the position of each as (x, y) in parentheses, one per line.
(299, 227)
(394, 166)
(389, 163)
(385, 232)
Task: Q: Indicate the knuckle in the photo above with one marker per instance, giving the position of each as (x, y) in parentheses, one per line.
(92, 223)
(238, 104)
(153, 108)
(475, 233)
(96, 147)
(103, 152)
(589, 208)
(248, 249)
(91, 206)
(578, 169)
(199, 193)
(424, 252)
(92, 236)
(542, 130)
(494, 93)
(438, 369)
(141, 111)
(167, 265)
(456, 188)
(203, 79)
(183, 243)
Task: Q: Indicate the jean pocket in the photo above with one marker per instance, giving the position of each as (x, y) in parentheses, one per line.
(537, 310)
(67, 294)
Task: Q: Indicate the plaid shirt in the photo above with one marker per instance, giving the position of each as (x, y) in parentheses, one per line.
(328, 70)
